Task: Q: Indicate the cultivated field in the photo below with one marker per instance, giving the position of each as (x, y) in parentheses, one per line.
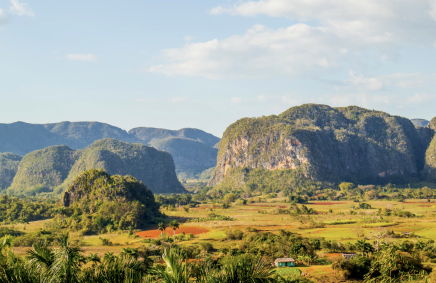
(337, 221)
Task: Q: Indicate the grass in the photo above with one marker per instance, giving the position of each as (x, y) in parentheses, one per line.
(288, 271)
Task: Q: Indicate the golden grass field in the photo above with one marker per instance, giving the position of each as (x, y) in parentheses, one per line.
(250, 216)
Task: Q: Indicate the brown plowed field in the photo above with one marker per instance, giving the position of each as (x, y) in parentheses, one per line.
(187, 229)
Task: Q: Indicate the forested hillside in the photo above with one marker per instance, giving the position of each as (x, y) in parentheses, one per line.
(53, 169)
(8, 168)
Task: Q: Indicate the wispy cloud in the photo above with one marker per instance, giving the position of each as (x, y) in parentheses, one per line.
(21, 9)
(420, 98)
(82, 57)
(189, 38)
(3, 17)
(345, 31)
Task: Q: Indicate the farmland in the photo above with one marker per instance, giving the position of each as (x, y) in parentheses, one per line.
(337, 222)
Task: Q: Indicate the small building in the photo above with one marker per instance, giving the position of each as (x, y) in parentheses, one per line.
(348, 256)
(406, 234)
(284, 261)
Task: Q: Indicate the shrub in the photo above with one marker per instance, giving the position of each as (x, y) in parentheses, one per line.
(205, 246)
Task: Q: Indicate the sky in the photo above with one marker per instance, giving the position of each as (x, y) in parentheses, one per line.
(205, 64)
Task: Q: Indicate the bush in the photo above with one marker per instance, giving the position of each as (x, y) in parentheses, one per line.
(105, 242)
(205, 246)
(234, 235)
(363, 205)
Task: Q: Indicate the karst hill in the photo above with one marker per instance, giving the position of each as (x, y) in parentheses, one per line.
(326, 144)
(52, 169)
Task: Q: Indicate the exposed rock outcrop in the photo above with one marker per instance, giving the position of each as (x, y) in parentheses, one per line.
(325, 144)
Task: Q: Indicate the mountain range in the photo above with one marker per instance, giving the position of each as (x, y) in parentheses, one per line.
(192, 149)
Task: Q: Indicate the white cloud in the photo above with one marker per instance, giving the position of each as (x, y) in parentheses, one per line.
(189, 38)
(82, 57)
(396, 80)
(21, 9)
(366, 83)
(345, 31)
(178, 99)
(259, 52)
(420, 98)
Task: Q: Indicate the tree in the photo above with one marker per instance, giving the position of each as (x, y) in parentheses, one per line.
(174, 225)
(178, 269)
(364, 247)
(40, 259)
(162, 227)
(346, 187)
(378, 234)
(230, 197)
(66, 265)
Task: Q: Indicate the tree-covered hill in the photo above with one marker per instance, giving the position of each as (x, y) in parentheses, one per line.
(23, 138)
(321, 143)
(43, 170)
(116, 201)
(8, 168)
(54, 168)
(190, 156)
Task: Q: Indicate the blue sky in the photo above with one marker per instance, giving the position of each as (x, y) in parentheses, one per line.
(205, 64)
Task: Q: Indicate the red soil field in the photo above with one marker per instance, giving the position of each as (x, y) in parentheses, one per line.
(187, 229)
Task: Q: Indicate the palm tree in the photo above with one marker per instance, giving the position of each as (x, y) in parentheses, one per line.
(178, 269)
(108, 257)
(242, 268)
(162, 227)
(40, 259)
(129, 252)
(67, 260)
(364, 247)
(174, 225)
(94, 259)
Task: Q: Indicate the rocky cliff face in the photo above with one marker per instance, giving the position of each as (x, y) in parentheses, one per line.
(54, 168)
(432, 124)
(325, 144)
